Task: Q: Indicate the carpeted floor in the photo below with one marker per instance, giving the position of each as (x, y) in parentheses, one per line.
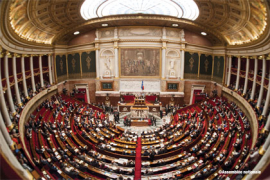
(138, 160)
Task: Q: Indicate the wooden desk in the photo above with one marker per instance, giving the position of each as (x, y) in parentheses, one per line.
(62, 144)
(124, 142)
(78, 141)
(139, 122)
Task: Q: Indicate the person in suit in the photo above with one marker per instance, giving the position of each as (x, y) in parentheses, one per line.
(152, 156)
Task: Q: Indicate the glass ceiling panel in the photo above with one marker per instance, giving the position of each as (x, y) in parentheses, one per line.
(187, 9)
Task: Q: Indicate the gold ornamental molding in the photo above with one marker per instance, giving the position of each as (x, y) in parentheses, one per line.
(131, 18)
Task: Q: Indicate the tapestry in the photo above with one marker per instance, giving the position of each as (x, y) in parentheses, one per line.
(61, 67)
(218, 68)
(205, 67)
(74, 67)
(191, 65)
(88, 60)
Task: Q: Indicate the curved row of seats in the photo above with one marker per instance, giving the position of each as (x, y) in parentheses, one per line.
(200, 140)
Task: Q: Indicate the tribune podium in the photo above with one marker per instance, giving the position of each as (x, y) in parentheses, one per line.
(139, 102)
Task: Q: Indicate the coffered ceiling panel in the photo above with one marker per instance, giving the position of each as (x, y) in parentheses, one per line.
(230, 22)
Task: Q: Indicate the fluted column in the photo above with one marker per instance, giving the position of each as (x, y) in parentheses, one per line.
(230, 71)
(116, 74)
(267, 125)
(246, 78)
(41, 71)
(116, 62)
(5, 132)
(16, 80)
(10, 98)
(97, 53)
(3, 105)
(265, 108)
(97, 62)
(53, 68)
(238, 73)
(262, 83)
(266, 144)
(163, 55)
(32, 74)
(254, 79)
(182, 64)
(24, 78)
(163, 61)
(50, 68)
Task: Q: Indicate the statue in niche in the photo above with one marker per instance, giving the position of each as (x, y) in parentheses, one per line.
(172, 64)
(172, 71)
(107, 72)
(108, 64)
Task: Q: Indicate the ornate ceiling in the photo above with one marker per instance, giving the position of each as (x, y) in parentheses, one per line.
(229, 22)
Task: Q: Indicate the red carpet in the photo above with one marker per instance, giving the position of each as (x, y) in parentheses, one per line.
(138, 160)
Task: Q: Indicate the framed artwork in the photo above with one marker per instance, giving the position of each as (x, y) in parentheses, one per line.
(172, 86)
(138, 62)
(107, 86)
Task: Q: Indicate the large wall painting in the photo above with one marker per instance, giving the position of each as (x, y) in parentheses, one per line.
(136, 62)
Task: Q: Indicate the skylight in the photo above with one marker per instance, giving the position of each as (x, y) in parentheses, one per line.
(186, 9)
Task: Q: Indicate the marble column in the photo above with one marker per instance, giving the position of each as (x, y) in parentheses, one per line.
(53, 69)
(266, 144)
(97, 63)
(267, 125)
(163, 61)
(24, 78)
(5, 132)
(3, 105)
(254, 79)
(163, 55)
(116, 62)
(41, 71)
(50, 69)
(32, 74)
(265, 108)
(116, 74)
(238, 73)
(246, 78)
(182, 64)
(230, 71)
(262, 83)
(97, 53)
(18, 97)
(9, 95)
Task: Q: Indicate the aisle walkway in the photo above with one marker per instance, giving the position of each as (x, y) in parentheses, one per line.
(138, 160)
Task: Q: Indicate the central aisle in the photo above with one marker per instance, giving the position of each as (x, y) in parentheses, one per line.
(138, 160)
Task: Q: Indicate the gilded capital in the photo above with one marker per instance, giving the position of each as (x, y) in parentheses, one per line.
(7, 53)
